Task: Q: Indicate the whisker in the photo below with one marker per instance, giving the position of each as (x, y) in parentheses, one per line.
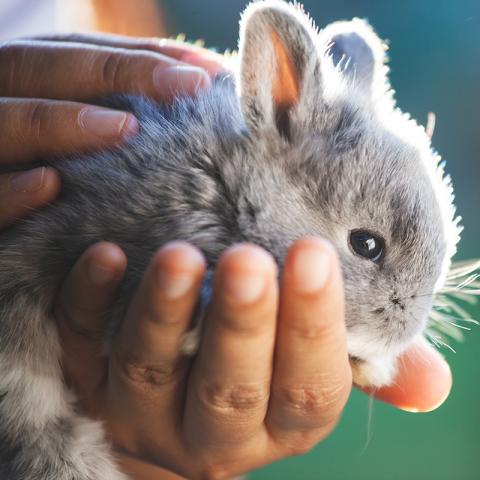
(469, 280)
(462, 268)
(444, 313)
(432, 338)
(438, 340)
(463, 327)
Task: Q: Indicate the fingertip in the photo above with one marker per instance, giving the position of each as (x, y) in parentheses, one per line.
(40, 185)
(211, 62)
(105, 263)
(51, 183)
(180, 79)
(107, 124)
(23, 192)
(130, 128)
(177, 268)
(309, 265)
(178, 257)
(88, 291)
(423, 383)
(244, 274)
(247, 255)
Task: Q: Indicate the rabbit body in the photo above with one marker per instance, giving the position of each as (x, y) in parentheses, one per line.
(304, 141)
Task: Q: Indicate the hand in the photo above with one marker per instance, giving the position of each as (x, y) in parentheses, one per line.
(213, 414)
(43, 84)
(423, 382)
(268, 381)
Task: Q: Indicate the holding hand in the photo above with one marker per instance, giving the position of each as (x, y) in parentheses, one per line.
(43, 87)
(267, 383)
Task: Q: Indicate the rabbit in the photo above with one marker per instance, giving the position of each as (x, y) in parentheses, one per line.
(304, 139)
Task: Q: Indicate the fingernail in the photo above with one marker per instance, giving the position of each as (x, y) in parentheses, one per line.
(30, 181)
(175, 286)
(99, 275)
(245, 288)
(248, 281)
(107, 123)
(311, 268)
(186, 261)
(180, 78)
(208, 63)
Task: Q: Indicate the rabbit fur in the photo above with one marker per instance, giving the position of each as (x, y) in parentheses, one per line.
(304, 139)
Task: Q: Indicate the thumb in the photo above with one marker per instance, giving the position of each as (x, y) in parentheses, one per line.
(423, 382)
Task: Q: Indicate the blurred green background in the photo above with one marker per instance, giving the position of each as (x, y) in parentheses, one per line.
(435, 66)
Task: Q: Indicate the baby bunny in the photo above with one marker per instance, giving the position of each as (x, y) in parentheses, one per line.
(305, 140)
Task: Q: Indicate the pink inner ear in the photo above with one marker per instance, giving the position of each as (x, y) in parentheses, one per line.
(286, 91)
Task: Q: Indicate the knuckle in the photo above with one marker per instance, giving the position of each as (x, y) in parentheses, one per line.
(323, 401)
(246, 321)
(249, 328)
(111, 69)
(310, 331)
(240, 398)
(73, 317)
(12, 55)
(37, 120)
(146, 375)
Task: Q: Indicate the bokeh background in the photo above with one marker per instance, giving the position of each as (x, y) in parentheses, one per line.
(435, 66)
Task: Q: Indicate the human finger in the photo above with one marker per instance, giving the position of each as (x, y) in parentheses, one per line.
(76, 71)
(312, 377)
(230, 381)
(209, 60)
(82, 310)
(148, 344)
(423, 382)
(21, 193)
(33, 128)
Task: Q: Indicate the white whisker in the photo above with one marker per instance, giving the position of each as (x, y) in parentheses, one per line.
(438, 341)
(447, 318)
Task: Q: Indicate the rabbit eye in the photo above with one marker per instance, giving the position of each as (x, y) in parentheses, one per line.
(367, 245)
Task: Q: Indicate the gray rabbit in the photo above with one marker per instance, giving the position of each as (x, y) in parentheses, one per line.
(305, 140)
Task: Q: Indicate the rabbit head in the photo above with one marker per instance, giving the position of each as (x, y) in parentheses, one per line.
(329, 154)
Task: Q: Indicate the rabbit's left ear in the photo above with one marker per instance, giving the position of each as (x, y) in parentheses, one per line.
(360, 55)
(280, 80)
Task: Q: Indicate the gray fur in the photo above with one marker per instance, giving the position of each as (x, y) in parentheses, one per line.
(216, 170)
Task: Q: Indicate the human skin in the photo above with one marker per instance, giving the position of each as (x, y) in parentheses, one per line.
(272, 375)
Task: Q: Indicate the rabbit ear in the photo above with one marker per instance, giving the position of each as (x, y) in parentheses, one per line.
(359, 54)
(279, 66)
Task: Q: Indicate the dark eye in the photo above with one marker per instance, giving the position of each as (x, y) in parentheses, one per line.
(367, 245)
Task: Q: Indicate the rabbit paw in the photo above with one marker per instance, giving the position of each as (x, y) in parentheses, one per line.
(373, 373)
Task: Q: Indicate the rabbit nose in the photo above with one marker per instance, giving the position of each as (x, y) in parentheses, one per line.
(398, 302)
